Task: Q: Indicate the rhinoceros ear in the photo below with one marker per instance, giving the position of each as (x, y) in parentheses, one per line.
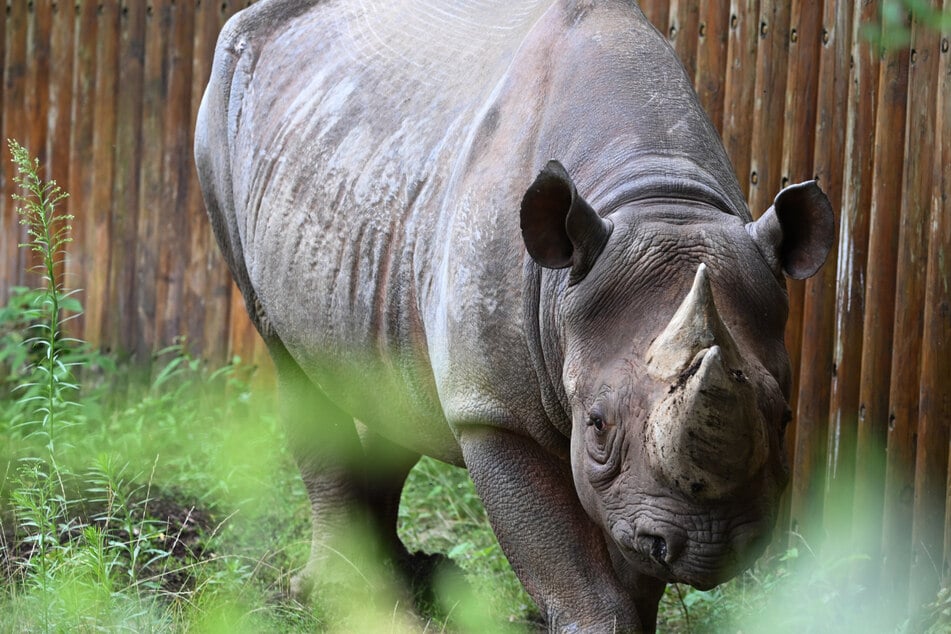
(796, 233)
(559, 227)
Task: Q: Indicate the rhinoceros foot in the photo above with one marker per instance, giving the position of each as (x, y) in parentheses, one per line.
(417, 579)
(302, 586)
(426, 575)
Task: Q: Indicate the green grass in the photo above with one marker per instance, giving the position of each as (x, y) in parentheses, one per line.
(205, 447)
(202, 444)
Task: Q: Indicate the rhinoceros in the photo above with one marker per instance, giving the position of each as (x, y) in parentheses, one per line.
(507, 236)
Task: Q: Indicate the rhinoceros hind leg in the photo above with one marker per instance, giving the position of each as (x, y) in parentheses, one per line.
(388, 466)
(425, 574)
(327, 450)
(354, 479)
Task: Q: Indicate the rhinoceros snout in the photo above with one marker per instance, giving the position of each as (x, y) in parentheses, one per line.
(666, 551)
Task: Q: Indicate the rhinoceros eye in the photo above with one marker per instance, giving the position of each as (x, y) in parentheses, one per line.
(596, 420)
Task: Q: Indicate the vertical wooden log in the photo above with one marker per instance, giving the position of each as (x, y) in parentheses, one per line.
(740, 86)
(850, 278)
(37, 100)
(242, 333)
(87, 259)
(934, 393)
(906, 352)
(683, 24)
(877, 330)
(127, 169)
(798, 147)
(815, 375)
(150, 179)
(936, 402)
(15, 127)
(7, 214)
(62, 45)
(208, 282)
(657, 12)
(36, 106)
(713, 34)
(804, 35)
(768, 104)
(104, 172)
(174, 243)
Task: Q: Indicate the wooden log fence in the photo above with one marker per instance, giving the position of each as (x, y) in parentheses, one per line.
(106, 92)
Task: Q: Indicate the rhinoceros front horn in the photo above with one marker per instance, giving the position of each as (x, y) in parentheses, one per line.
(706, 436)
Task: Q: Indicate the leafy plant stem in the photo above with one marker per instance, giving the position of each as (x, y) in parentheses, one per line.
(48, 233)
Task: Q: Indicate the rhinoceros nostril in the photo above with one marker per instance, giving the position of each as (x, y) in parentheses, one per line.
(658, 549)
(654, 546)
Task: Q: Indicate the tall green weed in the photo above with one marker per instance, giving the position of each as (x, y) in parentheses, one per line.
(53, 548)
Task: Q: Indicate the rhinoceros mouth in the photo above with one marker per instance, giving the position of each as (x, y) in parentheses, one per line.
(706, 565)
(710, 571)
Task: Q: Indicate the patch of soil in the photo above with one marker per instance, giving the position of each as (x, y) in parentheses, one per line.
(187, 527)
(171, 524)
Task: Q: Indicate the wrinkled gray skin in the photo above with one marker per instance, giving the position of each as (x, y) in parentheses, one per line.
(378, 178)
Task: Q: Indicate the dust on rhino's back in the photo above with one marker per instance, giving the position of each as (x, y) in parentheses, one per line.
(348, 129)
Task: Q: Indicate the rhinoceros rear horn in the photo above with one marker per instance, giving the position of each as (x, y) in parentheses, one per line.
(559, 227)
(796, 233)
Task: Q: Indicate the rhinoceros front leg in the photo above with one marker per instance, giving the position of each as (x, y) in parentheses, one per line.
(557, 552)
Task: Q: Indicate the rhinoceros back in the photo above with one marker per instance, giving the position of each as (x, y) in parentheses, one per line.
(343, 123)
(349, 124)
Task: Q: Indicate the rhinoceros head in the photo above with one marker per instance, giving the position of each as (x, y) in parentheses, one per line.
(670, 324)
